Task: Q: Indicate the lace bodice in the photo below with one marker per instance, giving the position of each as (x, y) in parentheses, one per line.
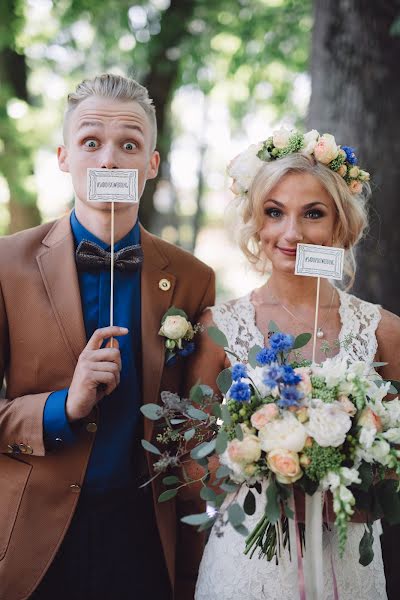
(225, 572)
(357, 338)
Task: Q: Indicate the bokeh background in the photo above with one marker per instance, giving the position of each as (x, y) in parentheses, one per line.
(223, 74)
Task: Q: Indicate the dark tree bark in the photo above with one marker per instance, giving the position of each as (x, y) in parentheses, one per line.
(356, 97)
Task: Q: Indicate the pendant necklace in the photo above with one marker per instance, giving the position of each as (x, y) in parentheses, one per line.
(320, 331)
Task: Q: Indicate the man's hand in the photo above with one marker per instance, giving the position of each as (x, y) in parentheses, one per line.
(97, 373)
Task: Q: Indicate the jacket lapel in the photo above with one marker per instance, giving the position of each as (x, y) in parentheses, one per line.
(155, 302)
(57, 267)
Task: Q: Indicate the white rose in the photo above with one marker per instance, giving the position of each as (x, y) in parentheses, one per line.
(326, 149)
(333, 370)
(286, 433)
(349, 476)
(310, 141)
(174, 327)
(392, 435)
(328, 423)
(244, 451)
(280, 138)
(244, 168)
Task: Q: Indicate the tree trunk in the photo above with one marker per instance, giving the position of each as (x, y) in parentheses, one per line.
(356, 97)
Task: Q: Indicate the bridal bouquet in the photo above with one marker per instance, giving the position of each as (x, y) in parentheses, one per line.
(284, 421)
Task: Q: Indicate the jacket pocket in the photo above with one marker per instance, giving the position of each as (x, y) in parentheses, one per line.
(13, 477)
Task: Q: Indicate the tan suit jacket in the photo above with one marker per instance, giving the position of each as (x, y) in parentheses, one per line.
(41, 337)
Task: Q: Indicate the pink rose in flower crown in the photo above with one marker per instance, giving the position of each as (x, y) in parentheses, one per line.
(342, 170)
(305, 384)
(285, 464)
(355, 186)
(264, 415)
(369, 419)
(280, 138)
(326, 149)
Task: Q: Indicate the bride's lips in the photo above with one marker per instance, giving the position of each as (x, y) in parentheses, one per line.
(288, 251)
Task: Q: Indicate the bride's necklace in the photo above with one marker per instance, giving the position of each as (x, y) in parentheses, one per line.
(320, 331)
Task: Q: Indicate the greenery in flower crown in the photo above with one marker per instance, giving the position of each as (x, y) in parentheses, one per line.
(340, 159)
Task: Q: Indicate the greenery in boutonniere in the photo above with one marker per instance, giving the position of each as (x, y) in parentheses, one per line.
(179, 334)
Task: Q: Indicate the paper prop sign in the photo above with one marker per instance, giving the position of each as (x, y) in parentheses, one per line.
(319, 261)
(112, 185)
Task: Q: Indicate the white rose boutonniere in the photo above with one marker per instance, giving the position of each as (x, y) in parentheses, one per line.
(179, 334)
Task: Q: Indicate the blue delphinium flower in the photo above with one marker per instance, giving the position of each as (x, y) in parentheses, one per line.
(239, 371)
(240, 391)
(272, 376)
(187, 349)
(289, 377)
(266, 356)
(290, 396)
(281, 342)
(350, 154)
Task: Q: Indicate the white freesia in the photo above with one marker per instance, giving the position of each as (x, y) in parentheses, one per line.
(286, 433)
(367, 437)
(377, 392)
(380, 452)
(391, 413)
(310, 141)
(280, 138)
(359, 368)
(392, 435)
(331, 481)
(345, 495)
(333, 370)
(244, 168)
(328, 423)
(349, 476)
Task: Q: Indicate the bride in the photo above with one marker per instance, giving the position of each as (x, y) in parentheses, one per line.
(293, 189)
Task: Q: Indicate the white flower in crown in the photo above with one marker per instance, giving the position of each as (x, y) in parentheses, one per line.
(310, 141)
(326, 149)
(280, 138)
(244, 168)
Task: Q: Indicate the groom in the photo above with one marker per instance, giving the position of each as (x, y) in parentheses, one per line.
(74, 524)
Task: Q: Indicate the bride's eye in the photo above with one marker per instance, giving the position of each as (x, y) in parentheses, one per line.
(314, 213)
(274, 213)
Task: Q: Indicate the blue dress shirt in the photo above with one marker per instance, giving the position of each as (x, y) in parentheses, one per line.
(111, 464)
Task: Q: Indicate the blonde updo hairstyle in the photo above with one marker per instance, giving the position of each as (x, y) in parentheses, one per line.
(351, 213)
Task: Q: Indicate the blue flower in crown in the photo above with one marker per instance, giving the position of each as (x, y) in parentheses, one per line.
(281, 342)
(240, 391)
(350, 154)
(289, 396)
(239, 371)
(266, 356)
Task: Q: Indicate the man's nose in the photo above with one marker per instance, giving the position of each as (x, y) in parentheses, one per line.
(108, 158)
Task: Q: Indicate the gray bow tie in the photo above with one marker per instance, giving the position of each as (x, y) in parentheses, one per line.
(91, 257)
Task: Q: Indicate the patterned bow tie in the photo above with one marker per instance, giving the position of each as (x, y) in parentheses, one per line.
(91, 257)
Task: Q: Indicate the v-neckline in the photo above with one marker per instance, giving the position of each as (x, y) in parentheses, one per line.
(341, 335)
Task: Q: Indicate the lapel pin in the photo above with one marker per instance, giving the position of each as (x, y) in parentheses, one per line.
(164, 285)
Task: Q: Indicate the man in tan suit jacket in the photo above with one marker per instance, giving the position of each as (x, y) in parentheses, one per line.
(44, 348)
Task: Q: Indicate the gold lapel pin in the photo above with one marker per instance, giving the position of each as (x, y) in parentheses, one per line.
(164, 285)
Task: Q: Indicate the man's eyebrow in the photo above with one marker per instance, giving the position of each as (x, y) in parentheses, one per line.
(133, 126)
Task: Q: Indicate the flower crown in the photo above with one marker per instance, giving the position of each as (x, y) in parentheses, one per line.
(340, 159)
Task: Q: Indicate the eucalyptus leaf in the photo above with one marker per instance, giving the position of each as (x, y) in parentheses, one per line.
(167, 495)
(170, 480)
(221, 442)
(177, 421)
(217, 336)
(196, 413)
(207, 525)
(301, 340)
(226, 415)
(207, 494)
(249, 504)
(252, 355)
(239, 432)
(198, 519)
(272, 509)
(229, 487)
(242, 530)
(375, 365)
(203, 462)
(366, 550)
(219, 500)
(189, 434)
(173, 312)
(224, 381)
(236, 514)
(196, 394)
(206, 390)
(396, 384)
(222, 471)
(203, 450)
(151, 411)
(150, 448)
(216, 410)
(273, 327)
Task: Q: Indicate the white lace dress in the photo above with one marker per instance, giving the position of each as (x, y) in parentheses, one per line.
(225, 572)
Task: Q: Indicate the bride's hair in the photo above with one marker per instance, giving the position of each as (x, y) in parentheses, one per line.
(351, 213)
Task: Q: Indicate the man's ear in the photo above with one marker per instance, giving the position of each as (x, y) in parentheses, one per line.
(154, 163)
(62, 155)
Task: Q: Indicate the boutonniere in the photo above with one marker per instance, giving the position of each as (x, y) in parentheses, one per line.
(179, 333)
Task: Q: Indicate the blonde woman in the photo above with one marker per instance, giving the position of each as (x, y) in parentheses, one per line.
(290, 189)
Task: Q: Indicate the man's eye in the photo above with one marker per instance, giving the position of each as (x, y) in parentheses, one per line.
(91, 143)
(130, 146)
(275, 213)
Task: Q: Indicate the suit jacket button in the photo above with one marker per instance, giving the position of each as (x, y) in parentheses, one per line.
(23, 448)
(74, 487)
(91, 427)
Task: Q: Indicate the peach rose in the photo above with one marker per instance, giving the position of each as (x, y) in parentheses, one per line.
(302, 414)
(342, 170)
(354, 172)
(326, 149)
(305, 383)
(355, 186)
(347, 405)
(264, 415)
(369, 419)
(246, 451)
(285, 464)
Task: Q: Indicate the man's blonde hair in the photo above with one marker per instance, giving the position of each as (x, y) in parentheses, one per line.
(117, 88)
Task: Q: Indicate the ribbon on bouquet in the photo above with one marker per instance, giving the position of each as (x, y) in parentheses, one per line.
(314, 572)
